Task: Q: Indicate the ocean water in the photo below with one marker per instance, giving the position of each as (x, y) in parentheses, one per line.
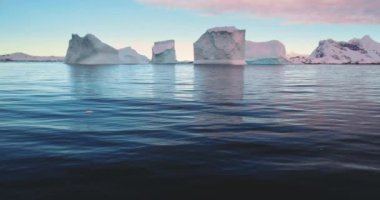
(189, 132)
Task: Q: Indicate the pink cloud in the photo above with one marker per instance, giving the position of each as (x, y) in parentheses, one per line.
(293, 11)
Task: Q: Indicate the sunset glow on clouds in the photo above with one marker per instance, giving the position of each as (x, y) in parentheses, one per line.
(292, 11)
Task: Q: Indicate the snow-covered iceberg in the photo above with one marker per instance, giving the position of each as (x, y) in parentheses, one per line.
(22, 57)
(163, 52)
(89, 50)
(221, 45)
(356, 51)
(271, 52)
(130, 56)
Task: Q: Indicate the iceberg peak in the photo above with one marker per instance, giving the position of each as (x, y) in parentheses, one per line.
(367, 38)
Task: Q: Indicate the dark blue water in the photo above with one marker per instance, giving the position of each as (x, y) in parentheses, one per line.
(149, 131)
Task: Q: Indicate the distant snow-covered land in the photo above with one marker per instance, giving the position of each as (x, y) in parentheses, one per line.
(22, 57)
(355, 51)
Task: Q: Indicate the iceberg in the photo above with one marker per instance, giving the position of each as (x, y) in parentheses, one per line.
(355, 51)
(271, 52)
(221, 45)
(89, 50)
(130, 56)
(163, 52)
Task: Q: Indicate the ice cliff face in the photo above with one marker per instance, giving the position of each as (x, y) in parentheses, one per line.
(271, 52)
(130, 56)
(89, 50)
(221, 45)
(356, 51)
(164, 52)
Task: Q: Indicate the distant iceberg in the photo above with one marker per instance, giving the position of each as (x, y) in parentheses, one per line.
(221, 45)
(163, 52)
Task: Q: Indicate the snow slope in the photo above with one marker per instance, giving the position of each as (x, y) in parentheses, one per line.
(130, 56)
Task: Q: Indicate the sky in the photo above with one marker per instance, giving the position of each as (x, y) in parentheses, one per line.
(44, 27)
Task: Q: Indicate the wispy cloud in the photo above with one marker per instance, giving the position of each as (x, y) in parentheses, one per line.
(292, 11)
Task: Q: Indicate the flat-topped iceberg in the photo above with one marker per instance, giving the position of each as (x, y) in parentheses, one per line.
(271, 52)
(221, 45)
(89, 50)
(163, 52)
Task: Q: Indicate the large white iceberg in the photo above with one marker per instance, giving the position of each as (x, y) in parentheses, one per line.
(163, 52)
(130, 56)
(356, 51)
(89, 50)
(220, 45)
(271, 52)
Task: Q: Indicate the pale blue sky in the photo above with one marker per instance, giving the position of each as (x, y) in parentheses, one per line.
(43, 27)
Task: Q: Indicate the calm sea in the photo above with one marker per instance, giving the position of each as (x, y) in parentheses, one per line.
(189, 132)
